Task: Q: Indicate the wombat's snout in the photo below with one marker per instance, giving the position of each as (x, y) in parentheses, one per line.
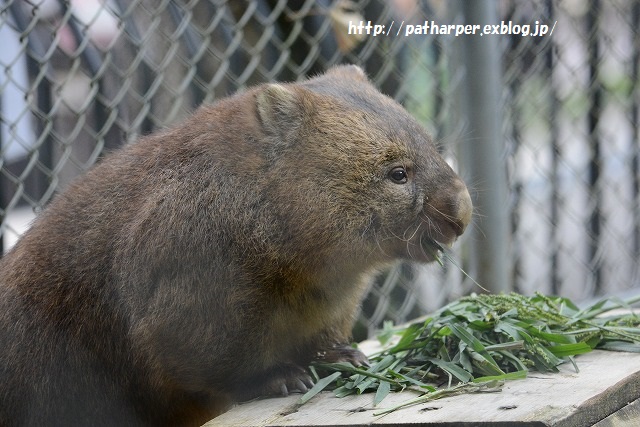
(450, 213)
(464, 209)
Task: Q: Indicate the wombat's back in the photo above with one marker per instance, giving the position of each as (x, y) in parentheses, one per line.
(68, 290)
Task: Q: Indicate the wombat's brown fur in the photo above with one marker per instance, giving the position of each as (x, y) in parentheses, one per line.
(212, 262)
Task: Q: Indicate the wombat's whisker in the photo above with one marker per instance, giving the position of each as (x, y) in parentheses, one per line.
(413, 233)
(431, 224)
(446, 216)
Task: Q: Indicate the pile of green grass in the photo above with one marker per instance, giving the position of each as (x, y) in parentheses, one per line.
(479, 341)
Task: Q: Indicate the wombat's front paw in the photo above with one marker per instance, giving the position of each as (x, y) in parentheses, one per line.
(285, 380)
(343, 353)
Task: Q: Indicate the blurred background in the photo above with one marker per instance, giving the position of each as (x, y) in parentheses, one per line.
(542, 127)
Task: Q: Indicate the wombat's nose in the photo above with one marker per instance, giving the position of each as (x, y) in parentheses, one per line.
(464, 209)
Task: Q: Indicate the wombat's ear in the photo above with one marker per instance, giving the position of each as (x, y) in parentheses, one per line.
(349, 72)
(280, 108)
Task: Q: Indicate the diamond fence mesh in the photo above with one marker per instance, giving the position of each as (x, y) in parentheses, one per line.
(80, 78)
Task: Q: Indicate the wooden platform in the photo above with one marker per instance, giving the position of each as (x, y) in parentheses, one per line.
(604, 393)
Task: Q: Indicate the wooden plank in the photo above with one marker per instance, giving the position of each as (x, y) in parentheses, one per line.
(625, 417)
(607, 381)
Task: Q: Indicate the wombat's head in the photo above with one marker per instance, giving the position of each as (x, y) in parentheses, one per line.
(359, 174)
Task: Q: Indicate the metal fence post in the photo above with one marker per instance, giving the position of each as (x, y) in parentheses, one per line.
(482, 151)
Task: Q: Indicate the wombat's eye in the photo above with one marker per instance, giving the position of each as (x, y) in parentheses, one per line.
(398, 175)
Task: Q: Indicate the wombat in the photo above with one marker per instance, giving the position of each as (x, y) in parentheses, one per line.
(212, 262)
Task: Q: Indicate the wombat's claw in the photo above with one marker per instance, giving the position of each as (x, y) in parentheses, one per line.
(343, 353)
(292, 379)
(301, 384)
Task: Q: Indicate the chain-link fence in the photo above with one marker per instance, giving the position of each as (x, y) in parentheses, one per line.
(540, 117)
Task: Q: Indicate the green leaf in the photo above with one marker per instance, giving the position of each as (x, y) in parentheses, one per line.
(476, 345)
(517, 375)
(544, 360)
(343, 391)
(452, 369)
(481, 341)
(383, 390)
(408, 338)
(410, 380)
(620, 346)
(506, 346)
(560, 338)
(319, 386)
(565, 350)
(387, 333)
